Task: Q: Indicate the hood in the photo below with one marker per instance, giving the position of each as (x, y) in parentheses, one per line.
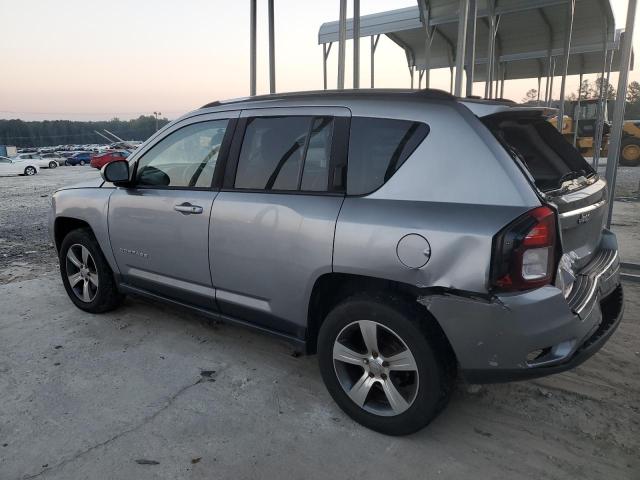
(95, 183)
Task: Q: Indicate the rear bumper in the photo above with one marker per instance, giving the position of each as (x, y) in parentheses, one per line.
(612, 308)
(535, 333)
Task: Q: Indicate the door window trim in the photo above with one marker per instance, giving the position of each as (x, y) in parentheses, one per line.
(216, 181)
(339, 147)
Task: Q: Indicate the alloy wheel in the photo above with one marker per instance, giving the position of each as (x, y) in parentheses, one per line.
(375, 368)
(82, 272)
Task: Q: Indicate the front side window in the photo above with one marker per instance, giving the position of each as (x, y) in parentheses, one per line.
(285, 153)
(377, 149)
(185, 158)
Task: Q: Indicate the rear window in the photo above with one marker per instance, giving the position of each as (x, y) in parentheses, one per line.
(548, 156)
(377, 149)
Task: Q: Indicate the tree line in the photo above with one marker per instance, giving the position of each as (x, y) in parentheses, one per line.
(590, 90)
(68, 132)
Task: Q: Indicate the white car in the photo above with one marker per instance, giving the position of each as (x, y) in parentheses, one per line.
(38, 160)
(18, 166)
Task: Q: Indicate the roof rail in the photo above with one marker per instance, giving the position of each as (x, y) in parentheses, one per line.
(425, 93)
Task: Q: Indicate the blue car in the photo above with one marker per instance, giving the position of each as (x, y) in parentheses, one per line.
(81, 158)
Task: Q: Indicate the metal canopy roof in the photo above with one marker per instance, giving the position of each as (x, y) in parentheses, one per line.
(527, 31)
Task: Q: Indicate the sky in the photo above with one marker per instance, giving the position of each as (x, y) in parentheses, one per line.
(90, 60)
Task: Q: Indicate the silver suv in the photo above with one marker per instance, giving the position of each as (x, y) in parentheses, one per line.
(405, 237)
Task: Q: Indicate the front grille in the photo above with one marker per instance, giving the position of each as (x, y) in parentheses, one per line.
(587, 279)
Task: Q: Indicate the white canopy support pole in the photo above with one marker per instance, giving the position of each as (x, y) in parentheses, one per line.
(491, 25)
(463, 16)
(252, 47)
(576, 111)
(425, 14)
(549, 28)
(503, 72)
(411, 73)
(553, 74)
(599, 133)
(342, 41)
(618, 113)
(547, 83)
(571, 8)
(374, 45)
(539, 85)
(325, 56)
(420, 75)
(356, 43)
(272, 50)
(470, 50)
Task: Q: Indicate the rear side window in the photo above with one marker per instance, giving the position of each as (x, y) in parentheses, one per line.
(285, 153)
(377, 149)
(548, 156)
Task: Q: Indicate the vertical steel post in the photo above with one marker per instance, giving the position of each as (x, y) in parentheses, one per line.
(463, 19)
(470, 51)
(356, 43)
(503, 72)
(618, 112)
(324, 65)
(272, 49)
(576, 112)
(546, 85)
(490, 47)
(539, 85)
(374, 45)
(411, 73)
(553, 74)
(571, 5)
(599, 133)
(342, 41)
(252, 47)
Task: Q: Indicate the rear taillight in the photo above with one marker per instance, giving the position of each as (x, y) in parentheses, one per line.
(524, 252)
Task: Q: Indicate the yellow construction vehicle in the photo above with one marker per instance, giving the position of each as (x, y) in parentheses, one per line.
(584, 139)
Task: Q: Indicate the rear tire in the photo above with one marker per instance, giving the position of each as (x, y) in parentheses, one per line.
(408, 359)
(630, 152)
(53, 164)
(81, 163)
(86, 275)
(30, 171)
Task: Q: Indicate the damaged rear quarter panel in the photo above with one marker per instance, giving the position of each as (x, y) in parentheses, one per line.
(460, 237)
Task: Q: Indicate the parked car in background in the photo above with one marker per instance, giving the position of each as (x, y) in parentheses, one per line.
(101, 159)
(38, 160)
(80, 158)
(17, 166)
(53, 157)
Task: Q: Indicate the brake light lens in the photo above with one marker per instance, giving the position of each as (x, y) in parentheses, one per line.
(524, 252)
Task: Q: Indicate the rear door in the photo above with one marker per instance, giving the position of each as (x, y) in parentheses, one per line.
(159, 227)
(562, 176)
(272, 225)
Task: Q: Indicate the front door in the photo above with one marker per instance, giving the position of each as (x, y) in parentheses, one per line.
(159, 228)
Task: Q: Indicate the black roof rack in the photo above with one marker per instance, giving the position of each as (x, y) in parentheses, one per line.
(426, 94)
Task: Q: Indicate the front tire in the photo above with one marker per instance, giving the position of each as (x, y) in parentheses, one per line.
(53, 164)
(384, 363)
(81, 163)
(30, 171)
(86, 275)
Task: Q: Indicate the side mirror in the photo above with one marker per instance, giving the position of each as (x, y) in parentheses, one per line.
(116, 172)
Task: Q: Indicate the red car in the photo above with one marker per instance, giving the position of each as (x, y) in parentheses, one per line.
(101, 159)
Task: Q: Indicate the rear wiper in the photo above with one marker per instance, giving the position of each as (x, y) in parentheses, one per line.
(572, 176)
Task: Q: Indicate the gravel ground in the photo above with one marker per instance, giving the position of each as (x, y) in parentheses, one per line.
(107, 396)
(25, 247)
